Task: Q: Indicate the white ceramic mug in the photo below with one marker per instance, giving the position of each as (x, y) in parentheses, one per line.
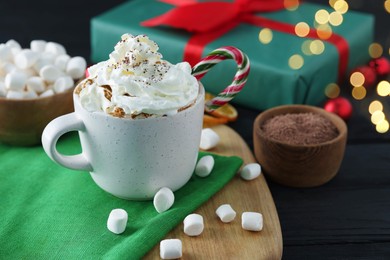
(131, 159)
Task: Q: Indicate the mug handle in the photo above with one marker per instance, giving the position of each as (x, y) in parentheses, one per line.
(239, 80)
(53, 131)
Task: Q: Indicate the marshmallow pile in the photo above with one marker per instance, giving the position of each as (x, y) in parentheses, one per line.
(42, 70)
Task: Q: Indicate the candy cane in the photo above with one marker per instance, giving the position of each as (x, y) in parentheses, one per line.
(239, 80)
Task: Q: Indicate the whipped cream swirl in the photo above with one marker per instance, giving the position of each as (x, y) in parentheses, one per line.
(136, 82)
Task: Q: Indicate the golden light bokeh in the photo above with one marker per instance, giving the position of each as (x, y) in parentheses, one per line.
(306, 47)
(291, 5)
(341, 6)
(322, 16)
(332, 90)
(265, 35)
(335, 18)
(383, 88)
(359, 93)
(317, 47)
(387, 5)
(382, 126)
(357, 79)
(296, 61)
(375, 105)
(377, 117)
(332, 2)
(324, 31)
(302, 29)
(375, 50)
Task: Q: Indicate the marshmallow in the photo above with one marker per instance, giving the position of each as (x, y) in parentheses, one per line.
(13, 44)
(76, 67)
(55, 48)
(50, 73)
(193, 225)
(250, 171)
(6, 67)
(62, 84)
(5, 52)
(36, 83)
(209, 139)
(117, 221)
(26, 58)
(47, 93)
(163, 200)
(38, 45)
(171, 249)
(15, 80)
(12, 94)
(226, 213)
(204, 166)
(29, 93)
(42, 61)
(62, 61)
(252, 221)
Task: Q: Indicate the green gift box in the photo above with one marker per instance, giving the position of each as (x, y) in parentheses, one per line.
(272, 81)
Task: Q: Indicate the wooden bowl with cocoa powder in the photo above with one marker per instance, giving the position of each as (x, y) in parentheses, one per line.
(23, 120)
(299, 145)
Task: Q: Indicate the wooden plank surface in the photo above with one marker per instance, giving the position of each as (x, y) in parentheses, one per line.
(230, 241)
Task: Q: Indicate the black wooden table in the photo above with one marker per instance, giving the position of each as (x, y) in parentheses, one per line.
(347, 218)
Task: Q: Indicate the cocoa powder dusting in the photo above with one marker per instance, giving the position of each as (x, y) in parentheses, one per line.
(300, 129)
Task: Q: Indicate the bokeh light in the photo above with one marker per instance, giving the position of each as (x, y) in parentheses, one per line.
(375, 50)
(357, 79)
(359, 93)
(383, 88)
(265, 35)
(332, 2)
(324, 31)
(306, 47)
(317, 47)
(335, 18)
(377, 117)
(341, 6)
(296, 61)
(302, 29)
(322, 16)
(382, 126)
(375, 105)
(332, 90)
(387, 6)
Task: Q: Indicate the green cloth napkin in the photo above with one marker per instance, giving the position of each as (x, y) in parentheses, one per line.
(50, 212)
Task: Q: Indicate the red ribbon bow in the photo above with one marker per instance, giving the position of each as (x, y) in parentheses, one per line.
(210, 20)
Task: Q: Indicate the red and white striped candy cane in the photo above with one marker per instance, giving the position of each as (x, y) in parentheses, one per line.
(216, 56)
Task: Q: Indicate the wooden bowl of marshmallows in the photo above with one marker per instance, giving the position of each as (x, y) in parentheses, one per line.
(299, 145)
(36, 86)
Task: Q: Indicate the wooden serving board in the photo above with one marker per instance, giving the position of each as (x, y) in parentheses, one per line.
(230, 241)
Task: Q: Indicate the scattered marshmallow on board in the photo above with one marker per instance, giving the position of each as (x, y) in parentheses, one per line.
(193, 225)
(204, 166)
(208, 139)
(171, 249)
(250, 171)
(163, 199)
(117, 221)
(34, 72)
(226, 213)
(252, 221)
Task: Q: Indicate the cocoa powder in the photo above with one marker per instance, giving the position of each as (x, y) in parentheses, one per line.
(300, 129)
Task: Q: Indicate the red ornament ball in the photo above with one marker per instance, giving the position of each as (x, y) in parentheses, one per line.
(369, 74)
(340, 106)
(381, 66)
